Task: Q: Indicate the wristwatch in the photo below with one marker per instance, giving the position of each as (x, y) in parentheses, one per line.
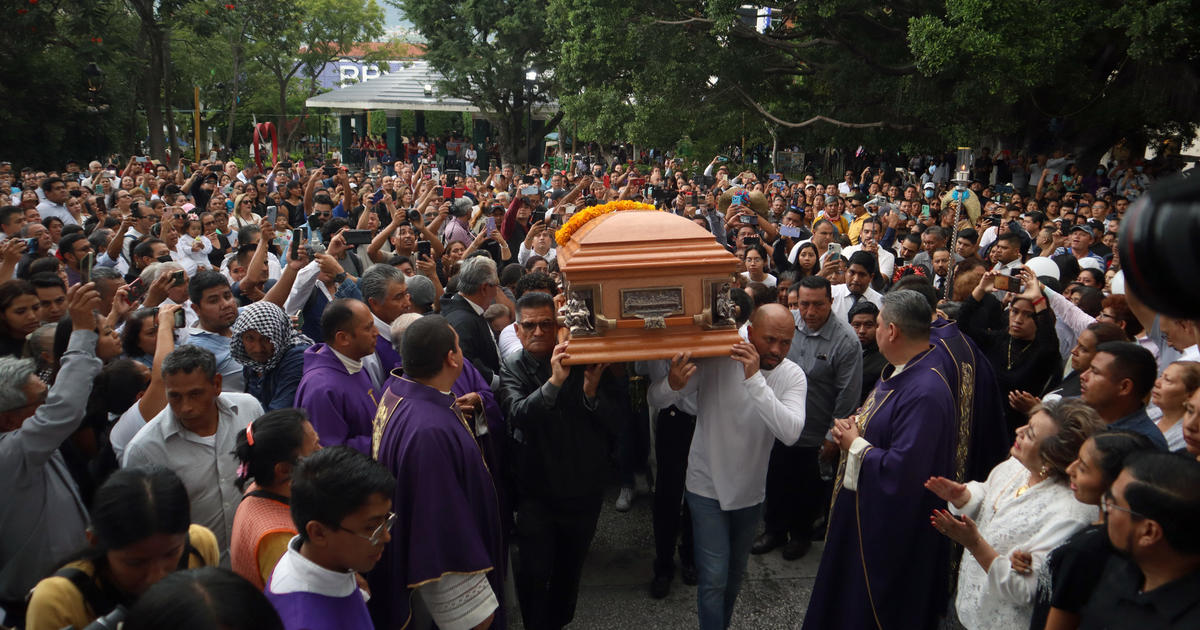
(341, 277)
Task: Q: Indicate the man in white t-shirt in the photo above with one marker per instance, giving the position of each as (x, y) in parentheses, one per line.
(868, 241)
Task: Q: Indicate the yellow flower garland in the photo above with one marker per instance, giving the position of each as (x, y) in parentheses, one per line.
(563, 235)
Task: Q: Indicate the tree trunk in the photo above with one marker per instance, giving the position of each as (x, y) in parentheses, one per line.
(236, 48)
(153, 88)
(168, 89)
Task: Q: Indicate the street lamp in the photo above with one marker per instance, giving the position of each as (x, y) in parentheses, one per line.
(531, 77)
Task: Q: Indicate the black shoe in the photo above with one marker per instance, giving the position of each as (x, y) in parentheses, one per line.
(796, 549)
(767, 542)
(687, 573)
(660, 587)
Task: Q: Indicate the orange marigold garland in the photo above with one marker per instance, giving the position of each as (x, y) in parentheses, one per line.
(563, 235)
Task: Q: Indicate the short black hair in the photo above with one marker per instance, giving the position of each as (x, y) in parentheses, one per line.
(1012, 237)
(323, 199)
(425, 345)
(534, 300)
(333, 483)
(1166, 489)
(49, 183)
(536, 281)
(864, 307)
(188, 359)
(145, 248)
(47, 280)
(208, 597)
(866, 260)
(1132, 361)
(204, 281)
(816, 282)
(970, 234)
(8, 212)
(336, 317)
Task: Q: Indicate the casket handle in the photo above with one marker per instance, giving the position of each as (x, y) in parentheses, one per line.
(605, 323)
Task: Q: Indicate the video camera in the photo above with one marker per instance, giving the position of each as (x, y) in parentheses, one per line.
(1157, 247)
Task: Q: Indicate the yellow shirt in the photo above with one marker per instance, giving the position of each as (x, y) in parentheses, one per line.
(56, 603)
(856, 227)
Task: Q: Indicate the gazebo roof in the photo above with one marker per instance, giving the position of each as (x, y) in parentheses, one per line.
(403, 88)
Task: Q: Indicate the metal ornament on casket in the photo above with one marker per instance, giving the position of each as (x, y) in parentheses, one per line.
(643, 285)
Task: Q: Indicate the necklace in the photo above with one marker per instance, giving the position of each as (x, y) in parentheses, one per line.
(1009, 363)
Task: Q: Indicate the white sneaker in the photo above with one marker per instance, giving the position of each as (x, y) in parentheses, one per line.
(625, 499)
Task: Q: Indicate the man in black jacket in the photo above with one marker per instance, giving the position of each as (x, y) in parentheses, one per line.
(477, 287)
(562, 419)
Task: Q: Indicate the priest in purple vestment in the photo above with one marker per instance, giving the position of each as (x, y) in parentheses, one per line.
(445, 564)
(336, 390)
(883, 566)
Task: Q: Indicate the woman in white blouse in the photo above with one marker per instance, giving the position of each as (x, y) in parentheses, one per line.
(1025, 504)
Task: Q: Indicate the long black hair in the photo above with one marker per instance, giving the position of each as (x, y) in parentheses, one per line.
(203, 599)
(273, 438)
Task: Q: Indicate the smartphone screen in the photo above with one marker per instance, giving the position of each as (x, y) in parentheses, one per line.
(490, 224)
(424, 248)
(85, 267)
(180, 319)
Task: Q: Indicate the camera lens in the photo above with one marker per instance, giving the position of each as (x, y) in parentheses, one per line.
(1157, 247)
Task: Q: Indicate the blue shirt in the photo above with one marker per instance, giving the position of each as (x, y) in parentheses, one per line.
(230, 370)
(1139, 422)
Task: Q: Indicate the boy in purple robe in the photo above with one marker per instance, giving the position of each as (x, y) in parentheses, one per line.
(341, 504)
(883, 565)
(336, 389)
(445, 564)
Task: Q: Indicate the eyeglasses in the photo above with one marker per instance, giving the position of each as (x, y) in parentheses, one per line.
(376, 537)
(1107, 502)
(547, 325)
(1106, 315)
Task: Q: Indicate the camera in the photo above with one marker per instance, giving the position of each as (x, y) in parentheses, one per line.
(1157, 248)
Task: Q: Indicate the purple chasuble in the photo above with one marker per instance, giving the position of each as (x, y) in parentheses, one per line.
(883, 565)
(340, 405)
(447, 511)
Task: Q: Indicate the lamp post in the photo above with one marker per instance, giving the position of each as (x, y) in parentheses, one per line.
(95, 82)
(531, 76)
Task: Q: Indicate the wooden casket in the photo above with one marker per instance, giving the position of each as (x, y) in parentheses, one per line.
(644, 284)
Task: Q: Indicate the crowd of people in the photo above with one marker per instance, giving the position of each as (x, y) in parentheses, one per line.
(313, 397)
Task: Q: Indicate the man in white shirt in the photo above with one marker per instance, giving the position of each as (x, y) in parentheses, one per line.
(743, 406)
(859, 272)
(55, 191)
(195, 437)
(868, 241)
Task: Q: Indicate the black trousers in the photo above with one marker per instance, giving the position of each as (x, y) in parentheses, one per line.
(552, 542)
(672, 443)
(796, 494)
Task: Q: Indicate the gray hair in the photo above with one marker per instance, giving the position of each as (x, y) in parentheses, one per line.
(375, 281)
(14, 374)
(105, 273)
(189, 359)
(152, 271)
(99, 239)
(909, 311)
(400, 325)
(41, 341)
(475, 272)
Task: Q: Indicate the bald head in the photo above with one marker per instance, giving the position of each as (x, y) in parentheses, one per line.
(771, 329)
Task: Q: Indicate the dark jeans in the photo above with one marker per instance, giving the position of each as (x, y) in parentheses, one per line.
(672, 443)
(552, 542)
(633, 438)
(796, 495)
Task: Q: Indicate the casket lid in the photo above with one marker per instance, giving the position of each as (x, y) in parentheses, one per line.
(639, 239)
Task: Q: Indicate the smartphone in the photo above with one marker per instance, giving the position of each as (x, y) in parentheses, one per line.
(297, 236)
(31, 246)
(637, 183)
(789, 231)
(178, 278)
(141, 159)
(137, 289)
(722, 159)
(751, 241)
(834, 251)
(556, 221)
(329, 171)
(490, 224)
(85, 267)
(180, 319)
(357, 237)
(272, 213)
(748, 219)
(529, 191)
(424, 248)
(1008, 283)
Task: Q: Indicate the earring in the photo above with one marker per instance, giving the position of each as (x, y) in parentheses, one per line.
(1045, 472)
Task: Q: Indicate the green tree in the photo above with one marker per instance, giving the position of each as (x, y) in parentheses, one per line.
(483, 49)
(299, 39)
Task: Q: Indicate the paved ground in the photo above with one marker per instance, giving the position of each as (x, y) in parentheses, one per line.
(616, 578)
